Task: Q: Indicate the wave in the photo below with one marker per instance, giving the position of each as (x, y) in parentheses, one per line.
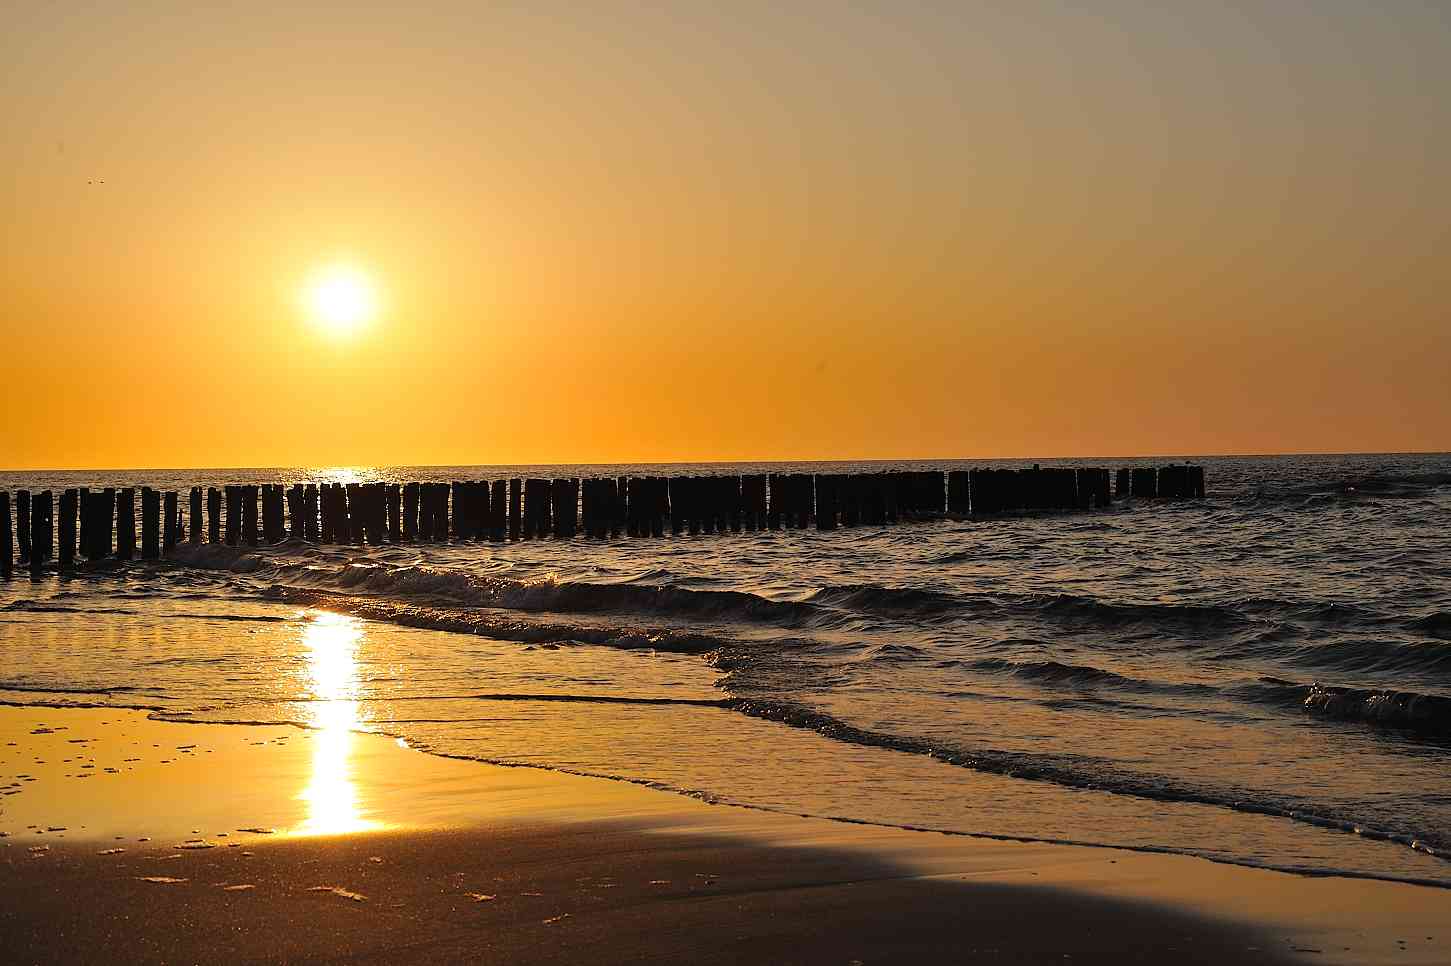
(1082, 773)
(499, 626)
(1435, 624)
(1407, 710)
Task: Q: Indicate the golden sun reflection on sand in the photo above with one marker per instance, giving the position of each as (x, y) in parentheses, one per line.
(332, 675)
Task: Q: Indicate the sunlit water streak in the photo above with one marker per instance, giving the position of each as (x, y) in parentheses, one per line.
(331, 684)
(1246, 678)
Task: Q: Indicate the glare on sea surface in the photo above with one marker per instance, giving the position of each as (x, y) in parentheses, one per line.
(332, 643)
(340, 299)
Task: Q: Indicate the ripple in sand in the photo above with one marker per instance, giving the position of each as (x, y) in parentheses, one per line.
(480, 897)
(241, 887)
(559, 918)
(110, 851)
(160, 879)
(197, 844)
(258, 831)
(340, 891)
(37, 849)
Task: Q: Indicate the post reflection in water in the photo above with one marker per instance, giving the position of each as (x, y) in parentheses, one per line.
(331, 676)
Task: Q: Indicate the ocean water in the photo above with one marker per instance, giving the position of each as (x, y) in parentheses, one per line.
(1261, 677)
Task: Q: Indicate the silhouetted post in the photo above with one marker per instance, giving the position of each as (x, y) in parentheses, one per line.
(498, 510)
(1121, 485)
(1144, 484)
(394, 497)
(957, 490)
(44, 512)
(40, 536)
(1196, 482)
(125, 523)
(214, 515)
(515, 508)
(67, 528)
(7, 550)
(150, 524)
(249, 515)
(409, 523)
(194, 507)
(460, 510)
(22, 524)
(84, 508)
(825, 486)
(294, 512)
(168, 529)
(309, 513)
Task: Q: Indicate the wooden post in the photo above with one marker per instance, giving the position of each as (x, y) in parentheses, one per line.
(294, 512)
(1121, 484)
(1196, 482)
(7, 550)
(1144, 483)
(214, 515)
(22, 524)
(43, 514)
(125, 523)
(194, 505)
(168, 530)
(150, 524)
(309, 513)
(67, 527)
(39, 532)
(249, 515)
(825, 500)
(87, 535)
(395, 513)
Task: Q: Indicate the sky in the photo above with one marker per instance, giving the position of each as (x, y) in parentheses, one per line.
(658, 232)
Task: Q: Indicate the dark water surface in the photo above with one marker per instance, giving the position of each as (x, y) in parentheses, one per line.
(1261, 677)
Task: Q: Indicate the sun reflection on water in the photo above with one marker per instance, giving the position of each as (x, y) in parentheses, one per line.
(332, 678)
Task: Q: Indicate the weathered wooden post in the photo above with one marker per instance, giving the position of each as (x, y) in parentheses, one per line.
(40, 534)
(498, 510)
(1121, 485)
(150, 524)
(84, 508)
(249, 515)
(309, 513)
(194, 501)
(515, 509)
(214, 515)
(395, 512)
(825, 487)
(233, 530)
(7, 550)
(1196, 482)
(22, 524)
(67, 527)
(1144, 482)
(294, 512)
(125, 523)
(45, 512)
(168, 531)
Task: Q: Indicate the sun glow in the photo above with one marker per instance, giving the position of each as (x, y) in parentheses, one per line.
(340, 299)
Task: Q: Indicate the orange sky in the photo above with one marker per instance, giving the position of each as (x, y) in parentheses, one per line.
(990, 230)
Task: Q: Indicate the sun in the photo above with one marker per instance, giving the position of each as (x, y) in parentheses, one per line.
(340, 299)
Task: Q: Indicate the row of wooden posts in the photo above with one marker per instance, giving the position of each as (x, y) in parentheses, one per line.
(87, 520)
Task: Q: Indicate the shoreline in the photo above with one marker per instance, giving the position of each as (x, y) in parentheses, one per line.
(339, 800)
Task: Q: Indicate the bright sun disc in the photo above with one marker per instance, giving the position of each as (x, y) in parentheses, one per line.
(341, 299)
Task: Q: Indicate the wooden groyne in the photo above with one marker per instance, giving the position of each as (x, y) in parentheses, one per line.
(97, 524)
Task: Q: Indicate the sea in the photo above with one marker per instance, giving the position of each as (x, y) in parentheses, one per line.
(1261, 677)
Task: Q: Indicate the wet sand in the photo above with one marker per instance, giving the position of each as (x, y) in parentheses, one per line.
(130, 840)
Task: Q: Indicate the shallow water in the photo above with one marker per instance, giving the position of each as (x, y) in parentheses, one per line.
(1253, 677)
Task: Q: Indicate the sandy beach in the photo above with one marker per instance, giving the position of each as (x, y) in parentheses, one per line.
(132, 840)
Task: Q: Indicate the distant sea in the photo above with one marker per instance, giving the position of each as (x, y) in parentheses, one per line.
(1262, 677)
